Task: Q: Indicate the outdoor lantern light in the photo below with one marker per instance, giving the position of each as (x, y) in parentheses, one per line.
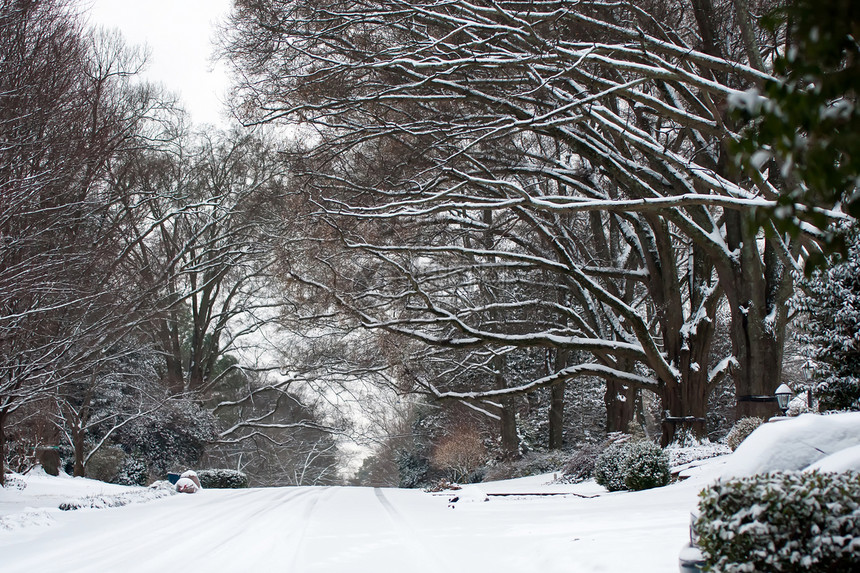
(808, 369)
(783, 394)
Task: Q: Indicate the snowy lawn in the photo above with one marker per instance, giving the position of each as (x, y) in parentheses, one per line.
(350, 529)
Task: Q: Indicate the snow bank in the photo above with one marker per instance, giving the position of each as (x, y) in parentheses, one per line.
(139, 495)
(470, 494)
(28, 518)
(793, 443)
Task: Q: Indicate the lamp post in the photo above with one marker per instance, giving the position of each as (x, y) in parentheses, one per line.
(808, 369)
(783, 395)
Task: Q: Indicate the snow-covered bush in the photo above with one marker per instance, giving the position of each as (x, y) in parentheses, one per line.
(413, 469)
(703, 450)
(132, 472)
(789, 521)
(581, 466)
(222, 479)
(634, 465)
(610, 466)
(742, 428)
(646, 466)
(106, 463)
(530, 464)
(840, 392)
(14, 482)
(103, 501)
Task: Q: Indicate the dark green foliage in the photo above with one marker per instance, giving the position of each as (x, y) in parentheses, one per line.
(173, 438)
(609, 467)
(832, 307)
(634, 465)
(809, 119)
(105, 463)
(646, 466)
(783, 522)
(133, 472)
(413, 469)
(222, 479)
(838, 393)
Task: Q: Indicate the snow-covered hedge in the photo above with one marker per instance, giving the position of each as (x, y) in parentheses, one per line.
(741, 430)
(785, 521)
(646, 466)
(14, 482)
(222, 479)
(634, 465)
(102, 501)
(610, 466)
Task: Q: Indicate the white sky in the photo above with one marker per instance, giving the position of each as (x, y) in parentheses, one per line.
(179, 36)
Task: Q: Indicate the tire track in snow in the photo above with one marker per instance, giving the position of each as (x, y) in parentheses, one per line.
(305, 520)
(222, 544)
(161, 537)
(429, 559)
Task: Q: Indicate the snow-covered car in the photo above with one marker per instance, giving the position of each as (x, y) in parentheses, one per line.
(808, 442)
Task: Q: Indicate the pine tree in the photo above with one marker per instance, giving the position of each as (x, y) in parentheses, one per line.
(832, 304)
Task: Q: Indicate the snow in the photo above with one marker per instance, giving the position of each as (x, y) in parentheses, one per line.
(526, 525)
(312, 529)
(794, 443)
(841, 461)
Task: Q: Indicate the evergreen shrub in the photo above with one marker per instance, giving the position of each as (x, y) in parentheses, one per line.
(633, 465)
(785, 522)
(610, 466)
(646, 466)
(222, 479)
(132, 472)
(413, 469)
(741, 430)
(105, 463)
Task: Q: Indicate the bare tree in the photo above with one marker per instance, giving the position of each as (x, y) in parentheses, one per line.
(201, 243)
(68, 104)
(430, 114)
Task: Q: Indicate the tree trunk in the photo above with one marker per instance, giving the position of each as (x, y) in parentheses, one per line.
(78, 445)
(556, 416)
(507, 416)
(620, 401)
(757, 288)
(2, 448)
(173, 377)
(685, 408)
(556, 403)
(759, 356)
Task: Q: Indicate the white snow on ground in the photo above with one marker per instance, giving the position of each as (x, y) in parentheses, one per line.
(581, 529)
(358, 530)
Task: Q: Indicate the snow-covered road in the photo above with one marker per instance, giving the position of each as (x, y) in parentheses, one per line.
(358, 530)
